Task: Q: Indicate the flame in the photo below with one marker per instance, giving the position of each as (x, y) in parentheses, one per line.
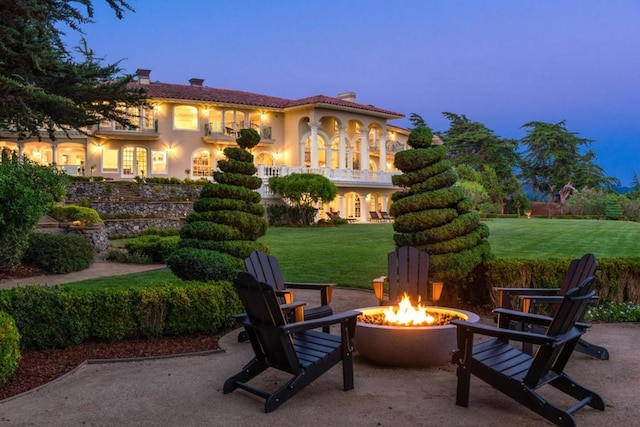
(405, 314)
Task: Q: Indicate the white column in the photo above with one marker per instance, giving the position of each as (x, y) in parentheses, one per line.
(343, 212)
(364, 151)
(364, 208)
(54, 153)
(383, 152)
(314, 143)
(20, 149)
(342, 162)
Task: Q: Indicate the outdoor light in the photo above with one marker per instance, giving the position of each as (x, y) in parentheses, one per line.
(436, 289)
(378, 289)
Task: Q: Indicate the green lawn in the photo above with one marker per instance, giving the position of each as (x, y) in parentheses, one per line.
(353, 254)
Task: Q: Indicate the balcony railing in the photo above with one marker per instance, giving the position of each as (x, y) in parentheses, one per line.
(344, 177)
(231, 129)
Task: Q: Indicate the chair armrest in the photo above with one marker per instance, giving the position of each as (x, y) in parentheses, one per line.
(285, 295)
(380, 279)
(504, 333)
(505, 293)
(326, 289)
(292, 305)
(323, 321)
(506, 315)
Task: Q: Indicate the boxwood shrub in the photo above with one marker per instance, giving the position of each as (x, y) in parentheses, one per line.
(56, 317)
(9, 346)
(59, 253)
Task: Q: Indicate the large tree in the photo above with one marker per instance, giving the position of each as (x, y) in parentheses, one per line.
(303, 191)
(42, 85)
(553, 159)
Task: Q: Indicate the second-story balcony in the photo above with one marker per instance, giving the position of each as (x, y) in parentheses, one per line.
(114, 130)
(340, 177)
(229, 131)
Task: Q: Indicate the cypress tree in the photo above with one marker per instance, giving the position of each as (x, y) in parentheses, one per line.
(227, 219)
(432, 213)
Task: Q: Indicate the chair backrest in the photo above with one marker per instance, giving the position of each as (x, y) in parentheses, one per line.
(554, 358)
(265, 268)
(264, 317)
(579, 269)
(408, 271)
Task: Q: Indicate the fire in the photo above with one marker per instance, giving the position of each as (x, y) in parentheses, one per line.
(405, 314)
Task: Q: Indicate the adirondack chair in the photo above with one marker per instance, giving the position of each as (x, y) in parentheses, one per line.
(579, 269)
(296, 348)
(519, 375)
(267, 269)
(408, 272)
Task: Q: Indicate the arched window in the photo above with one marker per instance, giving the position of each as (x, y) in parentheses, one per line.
(185, 117)
(202, 164)
(264, 159)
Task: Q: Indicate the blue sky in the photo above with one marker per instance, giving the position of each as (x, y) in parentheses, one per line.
(499, 62)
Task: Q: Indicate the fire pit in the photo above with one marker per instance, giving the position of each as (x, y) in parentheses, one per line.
(408, 336)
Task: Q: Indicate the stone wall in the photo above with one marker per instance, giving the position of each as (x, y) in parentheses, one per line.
(123, 210)
(135, 227)
(119, 191)
(97, 236)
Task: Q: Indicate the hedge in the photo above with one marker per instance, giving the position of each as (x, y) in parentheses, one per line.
(57, 317)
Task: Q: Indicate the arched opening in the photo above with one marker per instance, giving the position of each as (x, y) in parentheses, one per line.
(201, 164)
(135, 162)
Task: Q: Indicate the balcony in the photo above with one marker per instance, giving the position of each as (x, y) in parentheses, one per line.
(115, 130)
(340, 177)
(217, 132)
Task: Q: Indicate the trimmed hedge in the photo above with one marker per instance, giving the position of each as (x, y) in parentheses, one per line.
(9, 346)
(203, 264)
(59, 253)
(618, 279)
(56, 317)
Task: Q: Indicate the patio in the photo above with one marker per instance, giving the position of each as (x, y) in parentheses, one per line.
(187, 391)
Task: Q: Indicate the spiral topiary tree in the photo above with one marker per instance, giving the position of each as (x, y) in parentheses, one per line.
(227, 219)
(432, 213)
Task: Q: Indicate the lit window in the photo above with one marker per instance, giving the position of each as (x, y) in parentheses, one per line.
(158, 162)
(185, 117)
(202, 164)
(109, 160)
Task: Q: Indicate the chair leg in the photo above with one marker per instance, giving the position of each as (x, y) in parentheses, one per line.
(250, 370)
(592, 350)
(464, 385)
(566, 384)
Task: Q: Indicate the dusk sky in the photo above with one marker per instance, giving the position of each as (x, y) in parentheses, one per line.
(499, 62)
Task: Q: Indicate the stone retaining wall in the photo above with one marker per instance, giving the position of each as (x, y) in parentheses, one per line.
(135, 227)
(118, 191)
(121, 210)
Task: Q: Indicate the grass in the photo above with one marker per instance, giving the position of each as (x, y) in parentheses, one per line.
(353, 254)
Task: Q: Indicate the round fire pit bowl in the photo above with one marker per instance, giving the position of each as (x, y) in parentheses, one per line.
(408, 346)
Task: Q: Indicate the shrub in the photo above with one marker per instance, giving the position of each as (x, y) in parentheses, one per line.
(59, 253)
(9, 346)
(73, 213)
(128, 258)
(153, 247)
(111, 315)
(614, 312)
(203, 264)
(47, 317)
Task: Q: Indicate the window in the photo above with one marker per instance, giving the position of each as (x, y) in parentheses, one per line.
(158, 162)
(110, 160)
(202, 164)
(185, 117)
(134, 161)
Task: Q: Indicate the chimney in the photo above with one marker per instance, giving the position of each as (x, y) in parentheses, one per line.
(144, 76)
(196, 82)
(347, 96)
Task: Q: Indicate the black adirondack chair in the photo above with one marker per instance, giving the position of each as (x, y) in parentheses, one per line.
(296, 348)
(408, 272)
(579, 269)
(519, 375)
(267, 269)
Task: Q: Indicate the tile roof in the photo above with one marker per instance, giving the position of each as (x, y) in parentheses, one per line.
(237, 97)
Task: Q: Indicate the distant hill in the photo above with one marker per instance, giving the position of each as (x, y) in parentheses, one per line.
(622, 190)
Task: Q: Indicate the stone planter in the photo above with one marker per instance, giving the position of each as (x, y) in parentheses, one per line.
(95, 234)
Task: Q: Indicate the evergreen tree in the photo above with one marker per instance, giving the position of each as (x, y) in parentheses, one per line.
(227, 219)
(432, 213)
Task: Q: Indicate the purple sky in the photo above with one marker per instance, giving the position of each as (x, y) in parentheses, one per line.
(499, 62)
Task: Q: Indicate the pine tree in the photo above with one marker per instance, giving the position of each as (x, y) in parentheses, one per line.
(227, 219)
(432, 213)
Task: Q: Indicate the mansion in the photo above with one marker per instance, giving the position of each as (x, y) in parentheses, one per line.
(185, 132)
